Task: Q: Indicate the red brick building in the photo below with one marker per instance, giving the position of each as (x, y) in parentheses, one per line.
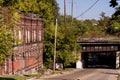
(29, 50)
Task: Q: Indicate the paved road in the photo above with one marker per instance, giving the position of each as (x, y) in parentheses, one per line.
(86, 74)
(101, 74)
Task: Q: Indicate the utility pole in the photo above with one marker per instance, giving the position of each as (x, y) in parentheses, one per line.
(72, 11)
(54, 64)
(64, 12)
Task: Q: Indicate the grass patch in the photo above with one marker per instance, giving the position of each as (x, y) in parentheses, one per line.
(6, 78)
(61, 71)
(33, 75)
(56, 72)
(68, 69)
(13, 78)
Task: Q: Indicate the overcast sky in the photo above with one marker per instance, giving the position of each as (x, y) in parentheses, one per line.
(82, 5)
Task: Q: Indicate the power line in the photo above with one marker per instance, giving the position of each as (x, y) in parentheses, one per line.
(88, 9)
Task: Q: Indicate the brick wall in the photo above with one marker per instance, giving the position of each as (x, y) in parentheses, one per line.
(28, 51)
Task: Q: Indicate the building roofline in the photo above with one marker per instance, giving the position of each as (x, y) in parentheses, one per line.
(98, 41)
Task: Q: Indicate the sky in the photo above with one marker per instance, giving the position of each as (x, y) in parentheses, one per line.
(82, 5)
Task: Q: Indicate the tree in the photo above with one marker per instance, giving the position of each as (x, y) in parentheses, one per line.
(66, 46)
(114, 24)
(45, 8)
(103, 22)
(66, 43)
(113, 3)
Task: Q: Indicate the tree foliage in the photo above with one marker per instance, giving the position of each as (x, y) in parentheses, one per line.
(8, 21)
(103, 22)
(67, 46)
(113, 3)
(114, 24)
(66, 43)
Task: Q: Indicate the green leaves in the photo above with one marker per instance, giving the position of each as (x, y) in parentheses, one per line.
(8, 21)
(113, 3)
(114, 23)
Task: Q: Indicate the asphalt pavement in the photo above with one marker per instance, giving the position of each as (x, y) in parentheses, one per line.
(84, 74)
